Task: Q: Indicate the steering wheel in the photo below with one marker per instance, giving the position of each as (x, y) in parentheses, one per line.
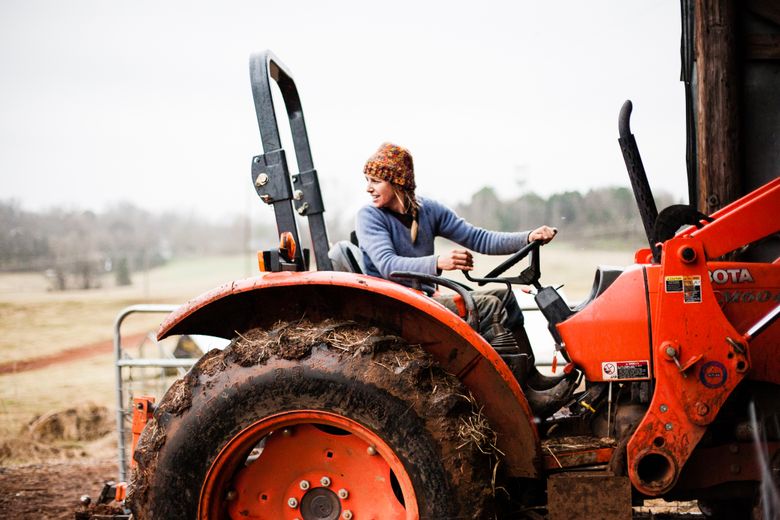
(529, 276)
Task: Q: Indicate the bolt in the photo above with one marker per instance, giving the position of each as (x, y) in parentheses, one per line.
(297, 194)
(262, 179)
(734, 468)
(713, 200)
(325, 481)
(85, 500)
(287, 432)
(371, 451)
(664, 408)
(231, 495)
(671, 352)
(304, 485)
(702, 408)
(292, 502)
(734, 448)
(257, 159)
(303, 208)
(343, 493)
(668, 426)
(347, 515)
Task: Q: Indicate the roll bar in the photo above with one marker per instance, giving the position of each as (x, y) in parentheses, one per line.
(270, 173)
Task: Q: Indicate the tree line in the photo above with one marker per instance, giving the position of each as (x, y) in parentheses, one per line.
(601, 217)
(78, 249)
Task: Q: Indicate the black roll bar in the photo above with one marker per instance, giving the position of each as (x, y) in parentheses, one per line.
(270, 173)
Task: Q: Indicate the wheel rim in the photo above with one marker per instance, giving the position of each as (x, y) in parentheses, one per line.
(307, 465)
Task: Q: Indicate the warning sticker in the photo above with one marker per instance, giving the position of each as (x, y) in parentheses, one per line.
(612, 370)
(674, 283)
(692, 289)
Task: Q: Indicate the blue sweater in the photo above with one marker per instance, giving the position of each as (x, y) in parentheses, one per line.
(387, 243)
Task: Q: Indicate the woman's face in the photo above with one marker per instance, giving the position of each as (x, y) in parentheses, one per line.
(382, 194)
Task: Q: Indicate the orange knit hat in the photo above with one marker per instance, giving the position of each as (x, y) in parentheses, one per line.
(392, 163)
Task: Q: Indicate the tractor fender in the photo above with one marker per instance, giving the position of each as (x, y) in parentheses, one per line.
(263, 300)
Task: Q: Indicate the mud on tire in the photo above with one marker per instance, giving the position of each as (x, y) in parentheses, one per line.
(379, 382)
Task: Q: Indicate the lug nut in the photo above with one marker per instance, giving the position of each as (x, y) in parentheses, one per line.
(347, 515)
(343, 493)
(304, 485)
(325, 481)
(292, 502)
(231, 495)
(287, 432)
(668, 426)
(371, 450)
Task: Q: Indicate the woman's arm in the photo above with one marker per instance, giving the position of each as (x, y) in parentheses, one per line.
(455, 228)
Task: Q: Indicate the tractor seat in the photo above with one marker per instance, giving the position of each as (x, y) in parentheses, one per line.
(347, 257)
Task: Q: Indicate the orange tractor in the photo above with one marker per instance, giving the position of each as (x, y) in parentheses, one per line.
(343, 396)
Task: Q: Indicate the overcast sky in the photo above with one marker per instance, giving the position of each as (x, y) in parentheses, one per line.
(149, 101)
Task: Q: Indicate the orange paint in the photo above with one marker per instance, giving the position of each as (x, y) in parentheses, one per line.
(304, 458)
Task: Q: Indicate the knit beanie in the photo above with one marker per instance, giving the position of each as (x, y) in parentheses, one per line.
(392, 163)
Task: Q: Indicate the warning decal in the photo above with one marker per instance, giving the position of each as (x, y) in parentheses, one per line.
(674, 283)
(625, 370)
(692, 289)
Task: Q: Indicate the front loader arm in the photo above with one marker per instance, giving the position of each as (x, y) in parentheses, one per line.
(742, 222)
(699, 357)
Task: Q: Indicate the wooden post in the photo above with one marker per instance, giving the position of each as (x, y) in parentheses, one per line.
(717, 102)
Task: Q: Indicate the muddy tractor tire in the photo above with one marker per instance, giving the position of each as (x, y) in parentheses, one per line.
(315, 421)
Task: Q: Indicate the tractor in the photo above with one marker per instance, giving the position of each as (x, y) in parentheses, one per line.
(344, 396)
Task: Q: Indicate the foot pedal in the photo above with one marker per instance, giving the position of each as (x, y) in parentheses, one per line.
(544, 403)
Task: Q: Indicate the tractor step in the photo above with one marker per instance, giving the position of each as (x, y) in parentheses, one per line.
(572, 452)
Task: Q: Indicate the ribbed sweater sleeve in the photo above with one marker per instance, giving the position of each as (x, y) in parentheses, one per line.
(455, 228)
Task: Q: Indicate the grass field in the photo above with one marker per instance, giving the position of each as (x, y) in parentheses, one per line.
(34, 322)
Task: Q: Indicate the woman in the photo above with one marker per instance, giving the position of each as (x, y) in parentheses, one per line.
(396, 232)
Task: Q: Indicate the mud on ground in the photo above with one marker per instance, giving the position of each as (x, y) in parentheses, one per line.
(51, 490)
(53, 460)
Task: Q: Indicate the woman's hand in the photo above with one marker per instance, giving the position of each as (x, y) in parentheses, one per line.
(544, 233)
(455, 259)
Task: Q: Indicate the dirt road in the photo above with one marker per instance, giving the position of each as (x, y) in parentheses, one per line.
(65, 356)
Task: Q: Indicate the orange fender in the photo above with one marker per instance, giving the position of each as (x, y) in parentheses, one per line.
(263, 300)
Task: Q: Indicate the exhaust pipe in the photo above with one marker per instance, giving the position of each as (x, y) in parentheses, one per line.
(636, 172)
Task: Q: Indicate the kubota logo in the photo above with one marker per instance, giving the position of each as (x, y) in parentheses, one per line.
(730, 275)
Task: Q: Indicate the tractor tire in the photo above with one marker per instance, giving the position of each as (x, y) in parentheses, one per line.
(315, 421)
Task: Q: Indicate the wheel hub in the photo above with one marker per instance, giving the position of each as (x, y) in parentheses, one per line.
(320, 504)
(356, 473)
